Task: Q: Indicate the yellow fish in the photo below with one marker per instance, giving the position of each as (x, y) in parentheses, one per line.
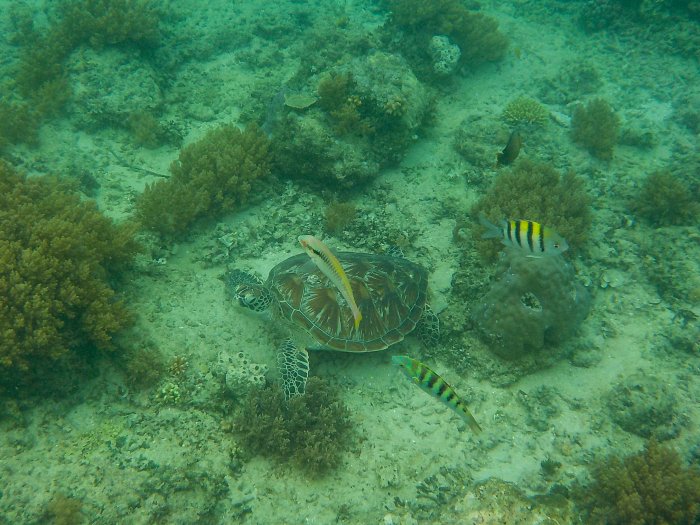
(329, 264)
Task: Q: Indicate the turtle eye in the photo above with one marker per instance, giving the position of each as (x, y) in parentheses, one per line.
(556, 245)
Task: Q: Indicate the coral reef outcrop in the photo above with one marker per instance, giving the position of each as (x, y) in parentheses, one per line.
(535, 302)
(369, 112)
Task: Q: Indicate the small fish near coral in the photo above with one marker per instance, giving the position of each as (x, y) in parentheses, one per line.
(436, 386)
(329, 264)
(527, 237)
(511, 151)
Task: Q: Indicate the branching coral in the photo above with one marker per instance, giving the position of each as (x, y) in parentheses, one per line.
(57, 258)
(665, 199)
(596, 127)
(311, 430)
(212, 176)
(109, 22)
(651, 487)
(475, 34)
(525, 111)
(535, 191)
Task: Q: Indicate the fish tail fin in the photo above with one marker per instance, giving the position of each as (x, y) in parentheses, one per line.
(469, 418)
(474, 425)
(492, 230)
(358, 317)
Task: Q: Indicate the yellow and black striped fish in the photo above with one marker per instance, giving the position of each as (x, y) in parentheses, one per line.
(529, 237)
(435, 385)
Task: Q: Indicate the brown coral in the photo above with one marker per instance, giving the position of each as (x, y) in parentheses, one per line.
(535, 191)
(212, 176)
(650, 487)
(476, 34)
(596, 127)
(58, 256)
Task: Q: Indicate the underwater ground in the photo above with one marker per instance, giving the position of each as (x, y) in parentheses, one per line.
(361, 127)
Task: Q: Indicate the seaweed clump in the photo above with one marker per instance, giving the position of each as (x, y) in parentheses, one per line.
(64, 510)
(58, 258)
(212, 176)
(596, 127)
(535, 191)
(650, 487)
(666, 200)
(100, 23)
(311, 430)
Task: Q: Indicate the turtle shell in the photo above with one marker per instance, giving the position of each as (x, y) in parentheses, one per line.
(390, 292)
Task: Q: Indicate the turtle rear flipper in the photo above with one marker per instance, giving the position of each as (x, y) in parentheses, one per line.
(428, 328)
(248, 290)
(293, 363)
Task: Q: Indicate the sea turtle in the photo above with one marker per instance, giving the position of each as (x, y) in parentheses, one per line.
(390, 291)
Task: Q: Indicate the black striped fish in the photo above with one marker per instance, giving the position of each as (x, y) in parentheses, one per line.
(529, 237)
(435, 385)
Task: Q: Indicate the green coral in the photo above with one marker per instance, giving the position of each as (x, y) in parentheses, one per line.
(311, 431)
(475, 34)
(596, 127)
(664, 199)
(58, 258)
(212, 176)
(525, 111)
(535, 191)
(650, 487)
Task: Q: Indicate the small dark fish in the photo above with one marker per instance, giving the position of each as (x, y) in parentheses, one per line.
(511, 151)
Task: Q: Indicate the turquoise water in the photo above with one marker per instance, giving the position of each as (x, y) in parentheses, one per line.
(215, 135)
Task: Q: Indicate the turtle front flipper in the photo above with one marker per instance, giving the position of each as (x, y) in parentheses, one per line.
(293, 363)
(248, 290)
(428, 327)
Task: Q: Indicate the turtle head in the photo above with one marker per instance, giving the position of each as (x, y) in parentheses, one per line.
(248, 290)
(255, 297)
